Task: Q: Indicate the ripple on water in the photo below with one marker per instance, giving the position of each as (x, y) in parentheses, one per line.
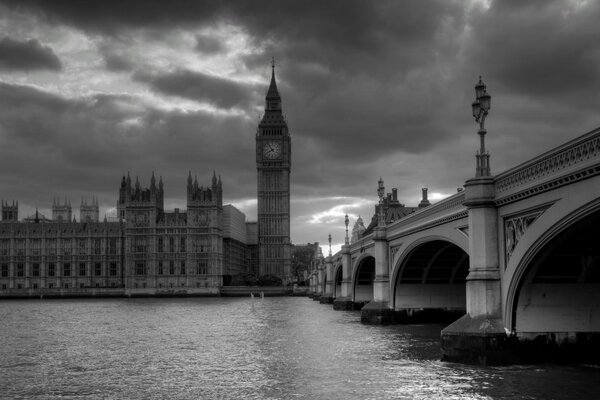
(218, 348)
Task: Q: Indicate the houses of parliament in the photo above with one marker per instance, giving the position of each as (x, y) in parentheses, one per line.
(147, 250)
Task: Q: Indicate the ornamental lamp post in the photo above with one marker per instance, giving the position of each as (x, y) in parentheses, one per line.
(347, 221)
(330, 245)
(481, 106)
(380, 193)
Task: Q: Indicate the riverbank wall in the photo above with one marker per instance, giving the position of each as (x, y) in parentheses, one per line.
(225, 291)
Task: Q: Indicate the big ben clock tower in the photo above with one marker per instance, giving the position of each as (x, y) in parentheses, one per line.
(273, 162)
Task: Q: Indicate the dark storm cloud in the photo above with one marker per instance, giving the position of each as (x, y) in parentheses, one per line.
(344, 63)
(223, 93)
(113, 16)
(82, 146)
(117, 63)
(553, 48)
(209, 45)
(27, 55)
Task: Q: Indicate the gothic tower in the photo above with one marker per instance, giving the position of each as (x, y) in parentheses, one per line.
(273, 162)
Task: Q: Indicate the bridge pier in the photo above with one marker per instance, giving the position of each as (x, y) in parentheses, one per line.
(479, 336)
(327, 295)
(378, 311)
(344, 302)
(319, 283)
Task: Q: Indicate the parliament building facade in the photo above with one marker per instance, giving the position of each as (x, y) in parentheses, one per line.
(146, 250)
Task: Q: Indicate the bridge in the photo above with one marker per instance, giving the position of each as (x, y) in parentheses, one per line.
(512, 261)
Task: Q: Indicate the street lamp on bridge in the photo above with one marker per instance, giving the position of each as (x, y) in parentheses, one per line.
(380, 193)
(481, 107)
(346, 221)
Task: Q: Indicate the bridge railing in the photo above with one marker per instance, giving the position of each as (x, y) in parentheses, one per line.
(436, 213)
(578, 154)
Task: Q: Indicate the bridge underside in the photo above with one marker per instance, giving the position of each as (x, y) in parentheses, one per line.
(363, 287)
(430, 286)
(556, 314)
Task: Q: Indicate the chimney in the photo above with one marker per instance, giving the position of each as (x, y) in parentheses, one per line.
(395, 194)
(424, 202)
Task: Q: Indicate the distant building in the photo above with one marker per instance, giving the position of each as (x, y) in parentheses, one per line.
(303, 257)
(393, 210)
(148, 249)
(252, 243)
(234, 243)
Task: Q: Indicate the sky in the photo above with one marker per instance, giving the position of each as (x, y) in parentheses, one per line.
(90, 91)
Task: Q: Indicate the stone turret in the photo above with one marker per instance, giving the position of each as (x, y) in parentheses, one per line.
(358, 229)
(89, 212)
(199, 195)
(10, 212)
(146, 203)
(62, 212)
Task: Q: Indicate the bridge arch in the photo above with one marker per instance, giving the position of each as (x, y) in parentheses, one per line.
(363, 272)
(338, 275)
(554, 276)
(429, 279)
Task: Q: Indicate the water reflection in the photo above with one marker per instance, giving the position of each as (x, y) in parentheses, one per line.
(276, 348)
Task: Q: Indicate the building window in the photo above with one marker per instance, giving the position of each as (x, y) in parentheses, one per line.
(172, 267)
(81, 269)
(35, 269)
(112, 245)
(183, 268)
(202, 268)
(19, 286)
(97, 246)
(82, 245)
(4, 247)
(97, 269)
(51, 269)
(161, 245)
(182, 245)
(51, 246)
(20, 244)
(50, 285)
(140, 268)
(140, 244)
(66, 269)
(35, 247)
(66, 245)
(81, 286)
(4, 286)
(35, 285)
(20, 269)
(113, 269)
(66, 286)
(160, 267)
(171, 245)
(4, 270)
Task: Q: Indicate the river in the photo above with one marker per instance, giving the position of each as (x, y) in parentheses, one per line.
(238, 348)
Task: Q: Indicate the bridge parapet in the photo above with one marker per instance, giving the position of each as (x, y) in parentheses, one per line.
(573, 161)
(438, 213)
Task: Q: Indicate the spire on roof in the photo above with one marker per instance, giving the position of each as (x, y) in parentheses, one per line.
(273, 92)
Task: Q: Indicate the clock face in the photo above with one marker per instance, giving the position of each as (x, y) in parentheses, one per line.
(271, 150)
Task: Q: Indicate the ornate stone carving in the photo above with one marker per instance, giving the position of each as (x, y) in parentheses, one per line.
(515, 227)
(561, 159)
(394, 251)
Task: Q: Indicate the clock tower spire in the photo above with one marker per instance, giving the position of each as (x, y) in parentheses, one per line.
(273, 164)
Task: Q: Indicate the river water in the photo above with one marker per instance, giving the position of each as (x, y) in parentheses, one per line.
(236, 348)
